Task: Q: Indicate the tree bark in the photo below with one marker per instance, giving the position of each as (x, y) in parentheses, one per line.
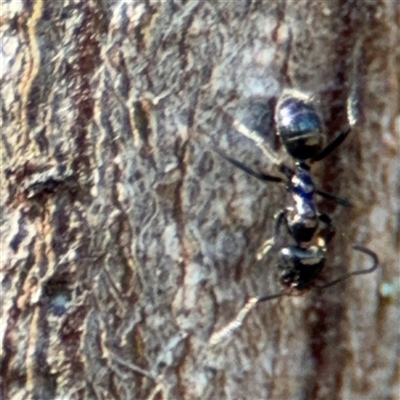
(127, 242)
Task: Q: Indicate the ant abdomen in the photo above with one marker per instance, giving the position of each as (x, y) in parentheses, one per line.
(299, 126)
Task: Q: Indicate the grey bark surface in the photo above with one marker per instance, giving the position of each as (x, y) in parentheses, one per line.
(126, 242)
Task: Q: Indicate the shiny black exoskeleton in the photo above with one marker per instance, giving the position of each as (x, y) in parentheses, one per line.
(301, 132)
(299, 126)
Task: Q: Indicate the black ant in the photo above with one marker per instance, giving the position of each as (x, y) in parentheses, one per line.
(301, 132)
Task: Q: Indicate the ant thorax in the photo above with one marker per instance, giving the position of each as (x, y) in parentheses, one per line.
(302, 218)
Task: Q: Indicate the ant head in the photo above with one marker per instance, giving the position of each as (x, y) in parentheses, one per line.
(299, 266)
(299, 125)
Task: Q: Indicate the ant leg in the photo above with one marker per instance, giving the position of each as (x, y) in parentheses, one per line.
(337, 200)
(267, 245)
(272, 178)
(273, 296)
(374, 266)
(289, 173)
(332, 146)
(265, 248)
(255, 137)
(328, 231)
(259, 175)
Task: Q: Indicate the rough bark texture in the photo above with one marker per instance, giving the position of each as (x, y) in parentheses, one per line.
(126, 242)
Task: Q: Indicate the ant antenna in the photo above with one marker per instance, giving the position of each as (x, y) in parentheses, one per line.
(342, 278)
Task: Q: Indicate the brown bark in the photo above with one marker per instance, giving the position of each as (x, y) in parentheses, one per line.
(126, 242)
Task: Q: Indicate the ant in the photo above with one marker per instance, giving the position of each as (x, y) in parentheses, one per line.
(301, 133)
